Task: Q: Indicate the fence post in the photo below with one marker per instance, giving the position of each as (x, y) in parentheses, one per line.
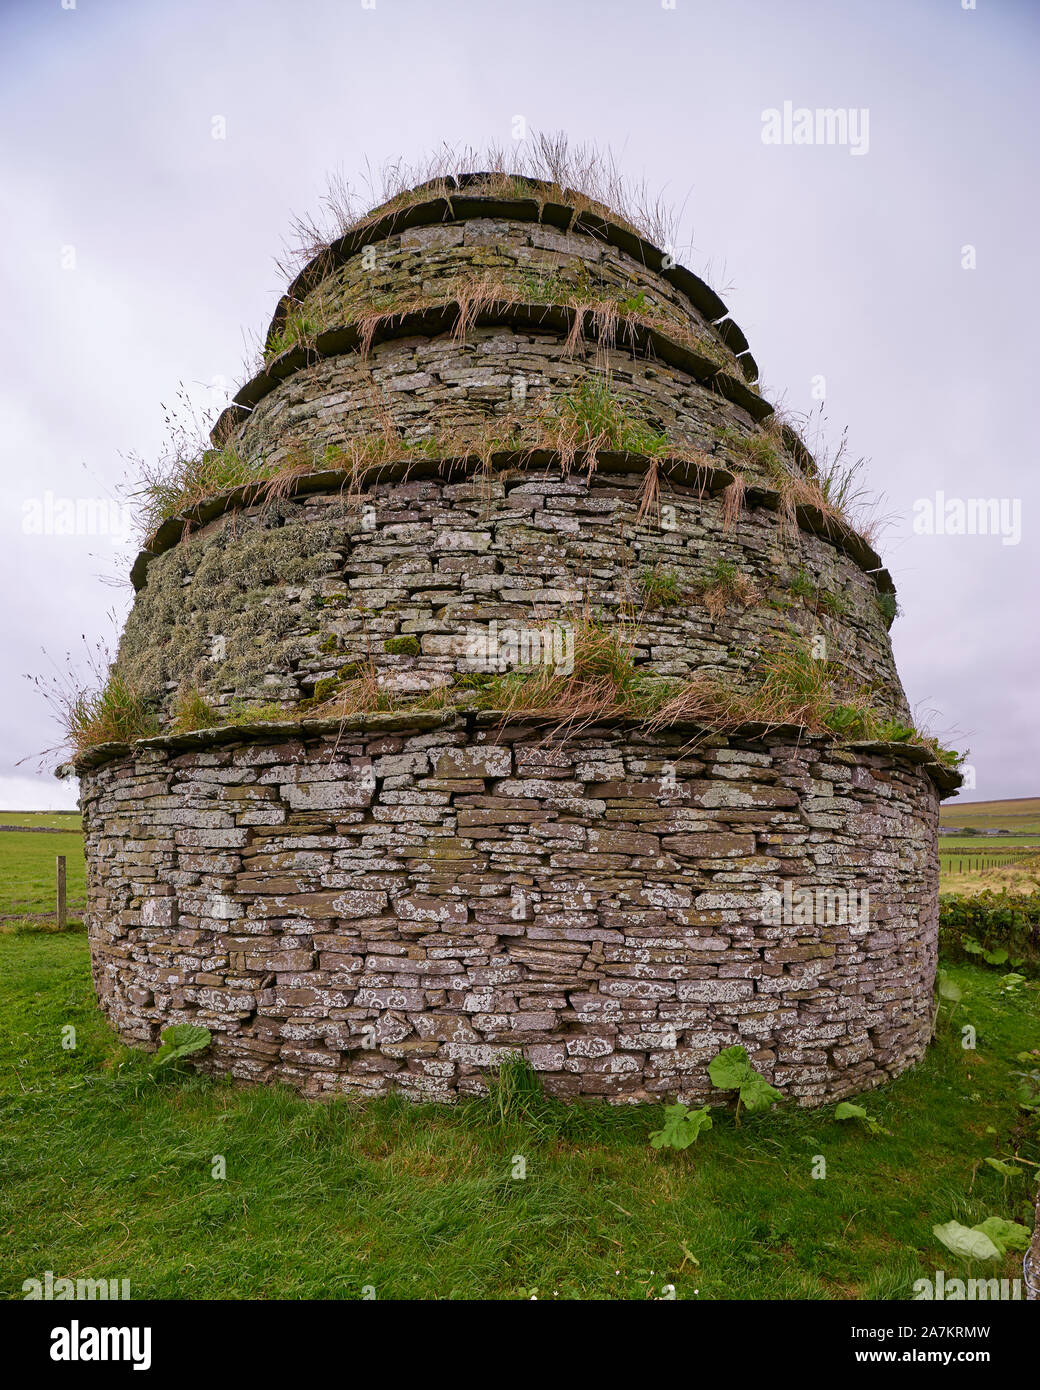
(61, 892)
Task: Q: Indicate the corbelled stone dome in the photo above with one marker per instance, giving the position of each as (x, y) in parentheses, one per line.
(496, 436)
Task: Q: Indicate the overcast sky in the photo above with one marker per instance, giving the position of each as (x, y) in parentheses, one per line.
(139, 253)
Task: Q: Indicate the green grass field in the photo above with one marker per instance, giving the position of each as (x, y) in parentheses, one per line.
(974, 844)
(27, 871)
(972, 863)
(107, 1172)
(51, 820)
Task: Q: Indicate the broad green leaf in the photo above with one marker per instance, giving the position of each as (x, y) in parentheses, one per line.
(729, 1069)
(181, 1040)
(757, 1094)
(847, 1111)
(699, 1119)
(948, 989)
(1006, 1170)
(968, 1243)
(681, 1127)
(1006, 1235)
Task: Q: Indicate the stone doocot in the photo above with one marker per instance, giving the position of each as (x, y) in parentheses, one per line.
(401, 901)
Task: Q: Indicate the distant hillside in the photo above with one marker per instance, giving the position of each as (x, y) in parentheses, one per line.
(1020, 815)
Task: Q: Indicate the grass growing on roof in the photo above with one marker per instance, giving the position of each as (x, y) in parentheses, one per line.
(545, 167)
(794, 685)
(790, 685)
(590, 416)
(831, 484)
(192, 711)
(112, 711)
(475, 294)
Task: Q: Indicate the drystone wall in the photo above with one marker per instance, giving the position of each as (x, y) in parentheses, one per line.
(425, 388)
(533, 263)
(403, 905)
(425, 580)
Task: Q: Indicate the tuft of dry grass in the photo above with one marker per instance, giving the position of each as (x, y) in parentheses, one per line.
(725, 585)
(733, 502)
(650, 493)
(113, 713)
(608, 307)
(833, 488)
(546, 168)
(192, 711)
(834, 483)
(703, 699)
(93, 704)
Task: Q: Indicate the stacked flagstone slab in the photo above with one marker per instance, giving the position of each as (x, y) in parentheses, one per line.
(400, 901)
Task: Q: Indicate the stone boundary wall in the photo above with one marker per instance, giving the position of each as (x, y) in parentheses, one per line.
(263, 603)
(402, 904)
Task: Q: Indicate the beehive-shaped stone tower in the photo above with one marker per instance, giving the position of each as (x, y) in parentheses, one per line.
(487, 427)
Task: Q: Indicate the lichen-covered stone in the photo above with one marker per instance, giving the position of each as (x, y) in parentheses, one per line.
(617, 973)
(267, 603)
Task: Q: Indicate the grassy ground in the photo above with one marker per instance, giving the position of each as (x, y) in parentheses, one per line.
(51, 820)
(974, 844)
(27, 870)
(107, 1172)
(960, 875)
